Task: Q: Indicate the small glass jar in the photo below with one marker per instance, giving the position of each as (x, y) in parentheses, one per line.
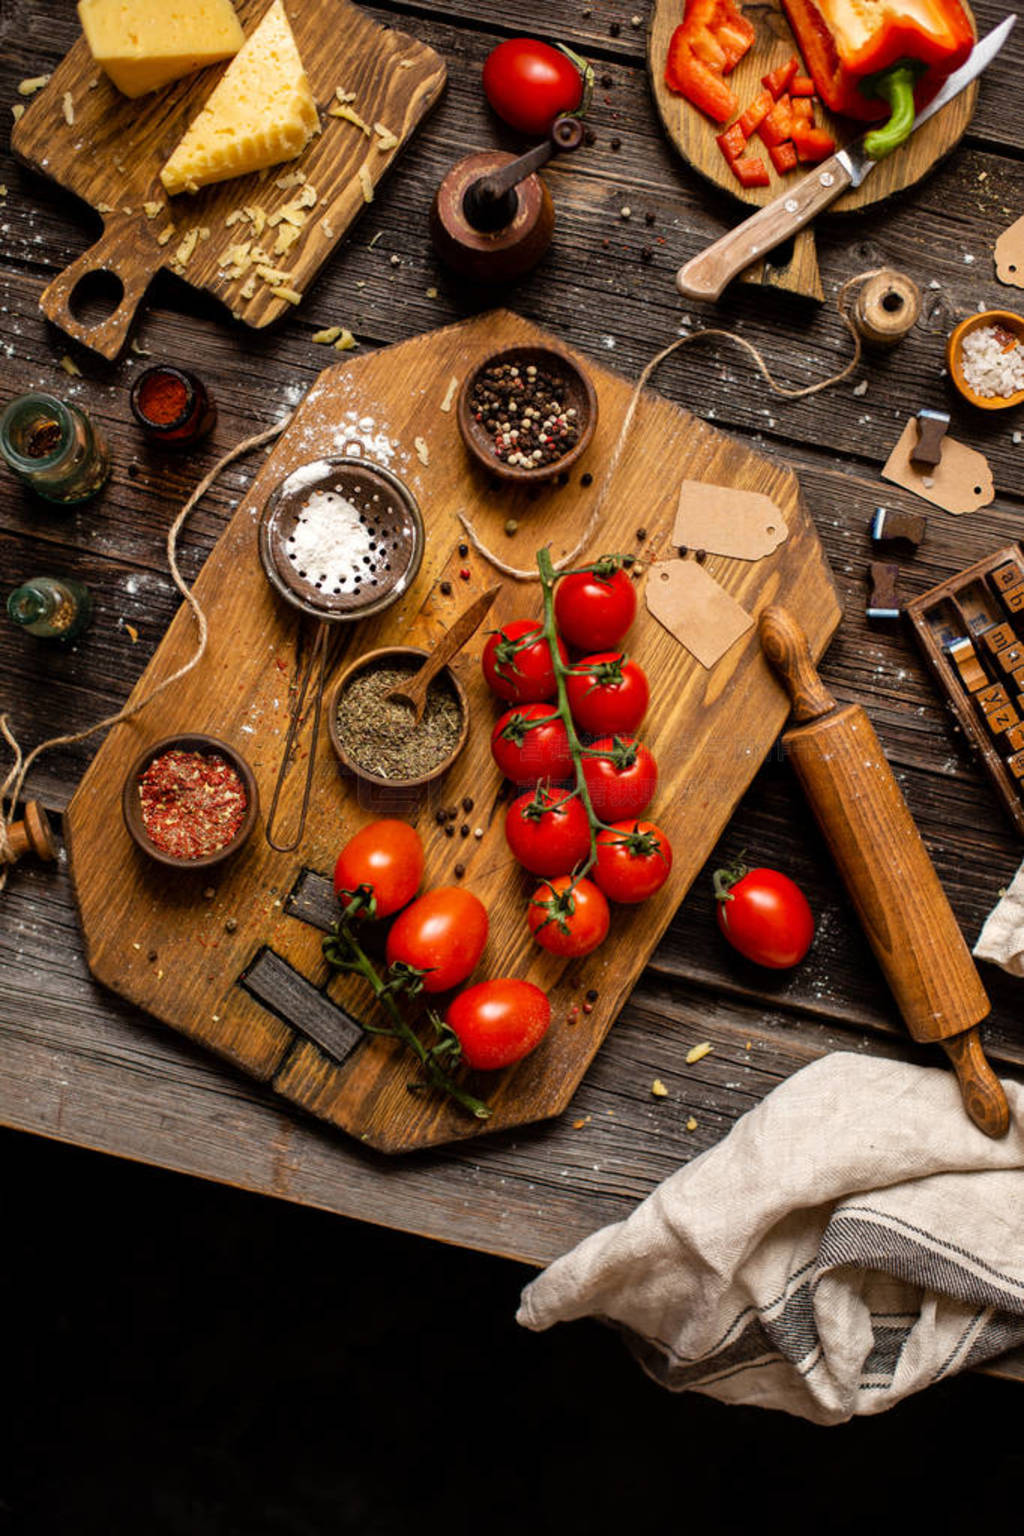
(54, 448)
(172, 406)
(51, 607)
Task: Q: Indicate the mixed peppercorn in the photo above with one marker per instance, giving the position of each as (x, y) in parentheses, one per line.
(526, 414)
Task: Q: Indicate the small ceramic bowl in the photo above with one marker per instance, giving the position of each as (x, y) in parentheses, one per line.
(954, 357)
(580, 394)
(375, 659)
(132, 810)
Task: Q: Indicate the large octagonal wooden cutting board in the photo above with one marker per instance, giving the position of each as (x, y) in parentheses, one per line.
(233, 959)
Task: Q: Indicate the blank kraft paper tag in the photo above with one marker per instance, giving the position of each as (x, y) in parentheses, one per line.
(701, 615)
(960, 482)
(745, 525)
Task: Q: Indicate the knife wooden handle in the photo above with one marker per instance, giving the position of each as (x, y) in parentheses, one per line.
(982, 1092)
(705, 276)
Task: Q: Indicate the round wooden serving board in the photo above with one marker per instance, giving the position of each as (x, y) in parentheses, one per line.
(693, 133)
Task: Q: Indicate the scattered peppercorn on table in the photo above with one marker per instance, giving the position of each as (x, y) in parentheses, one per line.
(705, 1034)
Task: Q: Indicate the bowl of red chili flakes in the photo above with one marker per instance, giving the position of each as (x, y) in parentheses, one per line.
(190, 801)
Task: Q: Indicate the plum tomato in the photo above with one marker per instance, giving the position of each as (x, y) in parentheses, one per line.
(568, 919)
(498, 1022)
(530, 83)
(593, 609)
(621, 776)
(442, 934)
(764, 915)
(387, 856)
(548, 830)
(530, 743)
(633, 860)
(518, 668)
(607, 693)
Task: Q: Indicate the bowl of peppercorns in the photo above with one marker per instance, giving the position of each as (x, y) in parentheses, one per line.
(527, 413)
(190, 801)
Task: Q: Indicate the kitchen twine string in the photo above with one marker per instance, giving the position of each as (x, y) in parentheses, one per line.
(627, 420)
(13, 784)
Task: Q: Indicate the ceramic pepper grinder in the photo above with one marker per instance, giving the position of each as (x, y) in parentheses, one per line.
(492, 218)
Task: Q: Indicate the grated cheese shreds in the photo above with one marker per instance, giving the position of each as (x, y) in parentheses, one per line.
(422, 451)
(450, 393)
(691, 1124)
(271, 274)
(104, 207)
(286, 238)
(30, 86)
(67, 106)
(658, 1089)
(248, 289)
(366, 182)
(327, 230)
(257, 218)
(70, 366)
(307, 197)
(165, 235)
(17, 111)
(183, 255)
(326, 337)
(385, 138)
(292, 295)
(351, 116)
(152, 210)
(345, 342)
(699, 1052)
(136, 346)
(293, 179)
(344, 96)
(235, 217)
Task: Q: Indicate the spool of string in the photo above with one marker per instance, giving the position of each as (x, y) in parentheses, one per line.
(887, 308)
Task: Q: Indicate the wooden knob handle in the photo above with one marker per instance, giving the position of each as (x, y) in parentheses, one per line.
(785, 645)
(128, 263)
(33, 834)
(982, 1092)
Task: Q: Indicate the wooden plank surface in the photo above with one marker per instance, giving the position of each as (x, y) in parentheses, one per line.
(111, 151)
(80, 1064)
(150, 934)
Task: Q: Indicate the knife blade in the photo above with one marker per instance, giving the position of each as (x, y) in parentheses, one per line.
(707, 274)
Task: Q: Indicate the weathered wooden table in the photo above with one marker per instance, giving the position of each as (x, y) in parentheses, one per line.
(78, 1065)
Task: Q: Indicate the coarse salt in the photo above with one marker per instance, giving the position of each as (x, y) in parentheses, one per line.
(993, 362)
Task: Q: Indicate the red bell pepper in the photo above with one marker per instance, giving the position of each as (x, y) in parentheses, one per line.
(783, 156)
(802, 109)
(778, 125)
(873, 57)
(778, 81)
(751, 171)
(756, 113)
(801, 85)
(732, 143)
(712, 39)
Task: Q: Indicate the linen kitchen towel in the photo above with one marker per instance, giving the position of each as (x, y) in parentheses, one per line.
(1002, 938)
(853, 1239)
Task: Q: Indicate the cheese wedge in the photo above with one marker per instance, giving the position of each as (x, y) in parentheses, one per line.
(144, 44)
(261, 113)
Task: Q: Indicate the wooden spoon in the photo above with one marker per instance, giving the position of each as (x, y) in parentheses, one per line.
(414, 691)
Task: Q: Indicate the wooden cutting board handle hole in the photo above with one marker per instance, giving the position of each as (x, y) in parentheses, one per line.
(95, 299)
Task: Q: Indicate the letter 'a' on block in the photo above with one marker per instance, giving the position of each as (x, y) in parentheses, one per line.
(261, 113)
(144, 44)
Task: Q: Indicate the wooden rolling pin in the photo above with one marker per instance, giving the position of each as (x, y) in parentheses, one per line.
(886, 869)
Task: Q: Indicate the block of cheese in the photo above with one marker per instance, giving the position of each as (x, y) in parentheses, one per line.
(260, 113)
(144, 44)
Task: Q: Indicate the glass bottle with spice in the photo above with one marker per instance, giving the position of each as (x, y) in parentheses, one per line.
(172, 406)
(51, 607)
(54, 448)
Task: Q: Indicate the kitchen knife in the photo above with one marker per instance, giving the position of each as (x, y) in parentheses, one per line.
(886, 870)
(705, 276)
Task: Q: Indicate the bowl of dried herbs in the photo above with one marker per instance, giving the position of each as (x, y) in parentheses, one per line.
(377, 738)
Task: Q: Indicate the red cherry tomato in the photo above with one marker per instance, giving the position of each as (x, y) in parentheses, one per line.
(517, 668)
(527, 752)
(621, 776)
(764, 915)
(548, 831)
(594, 611)
(499, 1022)
(568, 919)
(388, 856)
(529, 84)
(442, 934)
(633, 860)
(607, 693)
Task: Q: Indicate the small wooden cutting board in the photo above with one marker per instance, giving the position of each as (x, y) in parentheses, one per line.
(111, 151)
(232, 957)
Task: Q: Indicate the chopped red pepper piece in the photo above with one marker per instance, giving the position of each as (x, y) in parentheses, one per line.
(801, 85)
(756, 113)
(778, 81)
(712, 39)
(751, 171)
(783, 156)
(732, 142)
(802, 109)
(778, 124)
(812, 144)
